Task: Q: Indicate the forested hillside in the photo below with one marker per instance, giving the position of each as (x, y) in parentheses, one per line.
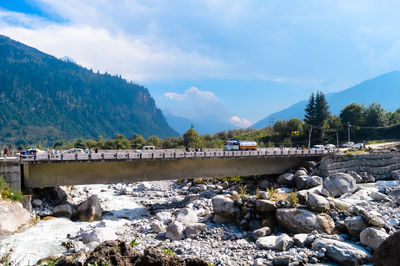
(46, 99)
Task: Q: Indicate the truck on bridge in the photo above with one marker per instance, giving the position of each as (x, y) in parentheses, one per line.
(243, 145)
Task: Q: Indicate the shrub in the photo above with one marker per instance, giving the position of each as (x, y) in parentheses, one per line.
(168, 252)
(134, 243)
(272, 193)
(242, 190)
(9, 193)
(293, 199)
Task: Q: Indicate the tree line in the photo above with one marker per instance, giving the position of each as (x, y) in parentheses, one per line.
(319, 126)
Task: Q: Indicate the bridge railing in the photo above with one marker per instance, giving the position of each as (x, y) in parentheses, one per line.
(172, 155)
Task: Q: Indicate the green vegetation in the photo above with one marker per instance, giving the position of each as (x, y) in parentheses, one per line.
(293, 199)
(231, 179)
(272, 193)
(9, 193)
(191, 139)
(243, 190)
(168, 252)
(44, 99)
(134, 243)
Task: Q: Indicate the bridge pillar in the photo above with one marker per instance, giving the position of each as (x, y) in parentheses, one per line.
(11, 172)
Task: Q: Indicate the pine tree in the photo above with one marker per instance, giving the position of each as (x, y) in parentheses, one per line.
(321, 109)
(310, 110)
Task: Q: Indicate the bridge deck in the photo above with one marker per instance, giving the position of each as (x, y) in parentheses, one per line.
(172, 155)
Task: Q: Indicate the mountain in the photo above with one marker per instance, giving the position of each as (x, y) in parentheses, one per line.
(45, 99)
(384, 89)
(181, 125)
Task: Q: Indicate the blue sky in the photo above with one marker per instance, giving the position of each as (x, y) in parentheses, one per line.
(235, 61)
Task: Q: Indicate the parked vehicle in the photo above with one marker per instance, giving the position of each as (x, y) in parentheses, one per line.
(358, 146)
(318, 147)
(236, 145)
(74, 151)
(148, 148)
(31, 152)
(348, 144)
(330, 147)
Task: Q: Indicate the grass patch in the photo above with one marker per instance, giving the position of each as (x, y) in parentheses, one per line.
(168, 252)
(293, 199)
(243, 191)
(231, 179)
(271, 193)
(134, 243)
(354, 152)
(9, 193)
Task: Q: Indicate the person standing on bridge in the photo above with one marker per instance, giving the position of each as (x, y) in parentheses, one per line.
(5, 151)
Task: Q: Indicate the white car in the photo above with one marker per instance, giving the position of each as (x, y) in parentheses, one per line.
(318, 147)
(348, 144)
(74, 151)
(330, 147)
(358, 146)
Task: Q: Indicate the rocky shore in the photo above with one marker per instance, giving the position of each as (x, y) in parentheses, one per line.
(297, 218)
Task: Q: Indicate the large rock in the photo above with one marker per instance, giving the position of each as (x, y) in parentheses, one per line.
(264, 231)
(64, 210)
(298, 220)
(301, 172)
(387, 254)
(314, 181)
(175, 231)
(186, 216)
(219, 219)
(280, 243)
(317, 203)
(356, 176)
(13, 216)
(300, 240)
(99, 235)
(56, 194)
(89, 210)
(339, 184)
(158, 227)
(263, 205)
(355, 225)
(225, 207)
(373, 237)
(342, 253)
(301, 181)
(36, 203)
(286, 179)
(372, 217)
(193, 230)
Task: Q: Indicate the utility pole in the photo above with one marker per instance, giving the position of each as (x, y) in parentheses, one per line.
(348, 131)
(309, 137)
(337, 140)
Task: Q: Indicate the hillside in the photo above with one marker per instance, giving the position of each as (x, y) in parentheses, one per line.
(46, 99)
(384, 89)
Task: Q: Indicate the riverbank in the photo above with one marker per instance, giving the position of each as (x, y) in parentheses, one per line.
(233, 222)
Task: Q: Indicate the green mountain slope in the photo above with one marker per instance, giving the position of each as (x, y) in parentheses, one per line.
(45, 99)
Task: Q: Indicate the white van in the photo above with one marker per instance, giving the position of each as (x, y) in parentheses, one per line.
(148, 148)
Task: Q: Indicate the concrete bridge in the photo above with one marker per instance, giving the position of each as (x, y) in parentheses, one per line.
(109, 167)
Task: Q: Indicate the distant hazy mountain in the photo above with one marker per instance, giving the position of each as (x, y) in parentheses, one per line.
(384, 89)
(43, 98)
(181, 125)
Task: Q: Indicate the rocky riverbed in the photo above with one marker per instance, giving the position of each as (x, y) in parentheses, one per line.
(297, 218)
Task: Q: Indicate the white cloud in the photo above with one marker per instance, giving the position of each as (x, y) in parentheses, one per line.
(240, 122)
(135, 57)
(193, 94)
